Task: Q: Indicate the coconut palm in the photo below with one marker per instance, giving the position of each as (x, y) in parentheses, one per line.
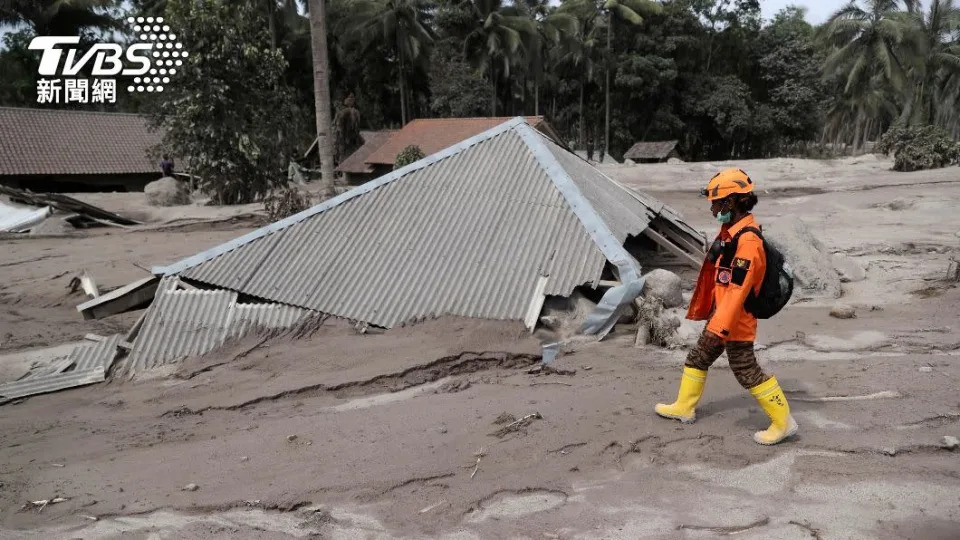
(870, 55)
(605, 13)
(544, 44)
(398, 25)
(500, 41)
(934, 61)
(321, 91)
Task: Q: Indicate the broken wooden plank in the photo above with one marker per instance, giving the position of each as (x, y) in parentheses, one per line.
(127, 298)
(696, 248)
(673, 248)
(536, 304)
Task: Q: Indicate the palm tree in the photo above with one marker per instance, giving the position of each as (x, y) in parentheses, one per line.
(544, 44)
(499, 42)
(934, 61)
(610, 11)
(321, 90)
(870, 53)
(61, 17)
(400, 25)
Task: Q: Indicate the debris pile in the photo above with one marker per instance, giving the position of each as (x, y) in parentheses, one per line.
(77, 213)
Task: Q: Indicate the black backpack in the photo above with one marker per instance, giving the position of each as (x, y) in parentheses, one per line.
(777, 285)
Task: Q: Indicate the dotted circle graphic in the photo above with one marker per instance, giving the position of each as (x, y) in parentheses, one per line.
(151, 30)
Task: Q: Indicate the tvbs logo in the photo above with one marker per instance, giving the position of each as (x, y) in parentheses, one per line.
(150, 62)
(106, 57)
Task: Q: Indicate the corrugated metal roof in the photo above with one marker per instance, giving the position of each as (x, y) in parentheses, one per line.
(466, 236)
(184, 323)
(180, 324)
(97, 354)
(17, 219)
(89, 361)
(467, 231)
(49, 383)
(246, 317)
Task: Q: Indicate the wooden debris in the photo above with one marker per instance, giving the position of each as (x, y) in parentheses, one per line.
(886, 394)
(476, 468)
(41, 504)
(517, 425)
(727, 531)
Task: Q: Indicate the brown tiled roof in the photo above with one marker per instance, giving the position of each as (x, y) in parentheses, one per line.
(435, 134)
(650, 150)
(357, 161)
(47, 141)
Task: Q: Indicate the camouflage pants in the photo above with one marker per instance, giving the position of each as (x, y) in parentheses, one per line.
(743, 361)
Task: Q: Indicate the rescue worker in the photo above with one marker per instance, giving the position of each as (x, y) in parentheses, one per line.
(726, 278)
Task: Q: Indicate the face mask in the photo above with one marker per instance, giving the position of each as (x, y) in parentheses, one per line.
(725, 218)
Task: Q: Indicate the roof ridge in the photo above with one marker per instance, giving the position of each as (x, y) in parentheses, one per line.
(589, 218)
(277, 226)
(70, 111)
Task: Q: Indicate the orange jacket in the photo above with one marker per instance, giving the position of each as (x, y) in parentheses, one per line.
(723, 287)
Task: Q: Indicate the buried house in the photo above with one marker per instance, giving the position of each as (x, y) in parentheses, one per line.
(487, 228)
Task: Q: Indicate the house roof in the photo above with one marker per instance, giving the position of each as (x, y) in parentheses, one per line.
(435, 134)
(357, 161)
(482, 229)
(651, 150)
(47, 141)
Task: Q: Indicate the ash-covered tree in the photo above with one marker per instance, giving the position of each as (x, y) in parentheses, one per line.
(228, 110)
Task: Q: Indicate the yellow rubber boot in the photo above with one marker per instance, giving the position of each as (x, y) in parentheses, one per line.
(691, 388)
(774, 403)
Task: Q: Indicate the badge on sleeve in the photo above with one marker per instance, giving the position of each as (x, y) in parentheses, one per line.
(741, 263)
(724, 277)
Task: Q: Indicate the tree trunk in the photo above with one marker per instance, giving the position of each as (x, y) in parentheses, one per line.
(403, 87)
(493, 99)
(583, 121)
(271, 22)
(606, 129)
(536, 98)
(321, 90)
(856, 136)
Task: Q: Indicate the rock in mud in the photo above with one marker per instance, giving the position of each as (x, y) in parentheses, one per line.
(665, 285)
(889, 450)
(812, 266)
(167, 192)
(191, 487)
(849, 269)
(843, 311)
(950, 443)
(925, 369)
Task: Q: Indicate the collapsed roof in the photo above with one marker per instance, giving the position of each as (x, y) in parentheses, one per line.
(486, 228)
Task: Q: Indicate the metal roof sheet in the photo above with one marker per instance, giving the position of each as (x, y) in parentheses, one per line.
(467, 231)
(246, 317)
(96, 354)
(184, 323)
(90, 363)
(18, 219)
(180, 324)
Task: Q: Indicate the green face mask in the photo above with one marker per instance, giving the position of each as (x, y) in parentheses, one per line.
(725, 217)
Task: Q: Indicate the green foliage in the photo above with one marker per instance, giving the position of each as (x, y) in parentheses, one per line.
(229, 109)
(408, 155)
(920, 148)
(285, 202)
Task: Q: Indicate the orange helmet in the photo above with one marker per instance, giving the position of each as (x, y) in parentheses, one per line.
(726, 183)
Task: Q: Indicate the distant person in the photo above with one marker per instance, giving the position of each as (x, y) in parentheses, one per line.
(166, 165)
(735, 267)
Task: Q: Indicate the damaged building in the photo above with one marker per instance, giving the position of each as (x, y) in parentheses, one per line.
(489, 228)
